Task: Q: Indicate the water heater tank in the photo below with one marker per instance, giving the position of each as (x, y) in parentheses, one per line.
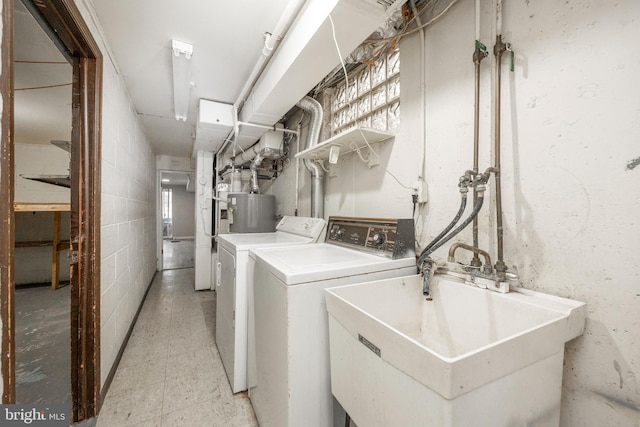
(251, 213)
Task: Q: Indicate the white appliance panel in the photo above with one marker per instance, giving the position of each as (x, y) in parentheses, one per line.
(235, 284)
(225, 312)
(290, 383)
(245, 241)
(323, 261)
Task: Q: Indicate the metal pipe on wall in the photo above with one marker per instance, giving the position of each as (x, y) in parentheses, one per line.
(479, 54)
(270, 44)
(314, 108)
(498, 49)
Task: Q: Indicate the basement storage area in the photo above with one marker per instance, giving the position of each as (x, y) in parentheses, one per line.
(458, 181)
(42, 215)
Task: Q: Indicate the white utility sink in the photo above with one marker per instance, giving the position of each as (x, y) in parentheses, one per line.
(469, 356)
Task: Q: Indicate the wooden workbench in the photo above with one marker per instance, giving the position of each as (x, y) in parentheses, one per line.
(57, 244)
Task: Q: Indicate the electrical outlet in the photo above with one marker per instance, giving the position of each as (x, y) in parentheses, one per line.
(420, 190)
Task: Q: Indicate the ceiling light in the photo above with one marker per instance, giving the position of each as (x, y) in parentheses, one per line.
(166, 180)
(181, 78)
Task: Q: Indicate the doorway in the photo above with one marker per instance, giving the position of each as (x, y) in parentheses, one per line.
(61, 20)
(42, 135)
(177, 205)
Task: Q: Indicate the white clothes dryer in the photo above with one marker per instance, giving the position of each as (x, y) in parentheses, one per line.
(233, 282)
(289, 385)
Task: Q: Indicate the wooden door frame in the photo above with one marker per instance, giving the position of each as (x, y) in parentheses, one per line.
(64, 18)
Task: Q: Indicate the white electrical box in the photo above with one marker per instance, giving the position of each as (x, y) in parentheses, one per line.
(215, 114)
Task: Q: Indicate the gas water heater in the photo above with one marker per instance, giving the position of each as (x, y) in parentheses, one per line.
(251, 213)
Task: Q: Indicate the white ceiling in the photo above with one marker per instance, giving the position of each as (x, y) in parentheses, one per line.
(227, 39)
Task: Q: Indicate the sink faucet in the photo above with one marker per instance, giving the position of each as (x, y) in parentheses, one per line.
(487, 269)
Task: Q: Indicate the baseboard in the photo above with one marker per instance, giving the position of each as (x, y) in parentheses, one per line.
(116, 363)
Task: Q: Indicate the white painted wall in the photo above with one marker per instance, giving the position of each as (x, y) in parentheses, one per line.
(571, 126)
(203, 215)
(37, 159)
(33, 265)
(183, 218)
(128, 217)
(174, 164)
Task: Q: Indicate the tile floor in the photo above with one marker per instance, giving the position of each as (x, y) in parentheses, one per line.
(178, 253)
(171, 373)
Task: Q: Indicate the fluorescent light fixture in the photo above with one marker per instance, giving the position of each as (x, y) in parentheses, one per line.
(166, 180)
(181, 78)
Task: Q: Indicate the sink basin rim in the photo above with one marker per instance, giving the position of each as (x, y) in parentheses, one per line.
(451, 378)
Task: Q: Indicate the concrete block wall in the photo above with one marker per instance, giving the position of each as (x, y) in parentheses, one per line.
(128, 216)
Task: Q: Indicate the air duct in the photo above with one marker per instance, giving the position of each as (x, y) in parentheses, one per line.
(314, 109)
(255, 189)
(269, 147)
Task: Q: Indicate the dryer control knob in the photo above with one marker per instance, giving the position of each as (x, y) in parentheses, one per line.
(336, 232)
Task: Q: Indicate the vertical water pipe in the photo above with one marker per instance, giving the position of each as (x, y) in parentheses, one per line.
(498, 49)
(479, 53)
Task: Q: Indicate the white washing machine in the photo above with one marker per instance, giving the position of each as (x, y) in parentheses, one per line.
(232, 284)
(289, 339)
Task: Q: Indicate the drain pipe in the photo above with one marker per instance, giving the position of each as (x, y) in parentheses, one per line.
(314, 109)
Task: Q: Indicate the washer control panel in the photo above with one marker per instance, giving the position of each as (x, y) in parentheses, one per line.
(392, 238)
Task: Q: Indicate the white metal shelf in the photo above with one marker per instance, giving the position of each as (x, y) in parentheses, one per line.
(349, 141)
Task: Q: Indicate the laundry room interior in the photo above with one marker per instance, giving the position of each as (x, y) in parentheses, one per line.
(321, 212)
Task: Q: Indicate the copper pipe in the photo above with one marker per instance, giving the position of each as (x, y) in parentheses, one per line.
(498, 49)
(478, 55)
(475, 250)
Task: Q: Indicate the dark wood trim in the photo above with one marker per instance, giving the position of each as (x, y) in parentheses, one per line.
(65, 19)
(7, 224)
(85, 239)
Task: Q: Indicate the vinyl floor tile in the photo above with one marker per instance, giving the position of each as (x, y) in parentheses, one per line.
(171, 374)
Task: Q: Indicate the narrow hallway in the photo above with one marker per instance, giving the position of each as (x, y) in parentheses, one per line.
(171, 373)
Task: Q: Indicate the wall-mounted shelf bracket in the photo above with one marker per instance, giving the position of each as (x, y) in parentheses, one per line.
(355, 140)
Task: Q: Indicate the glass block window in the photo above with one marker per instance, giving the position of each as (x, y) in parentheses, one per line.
(372, 98)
